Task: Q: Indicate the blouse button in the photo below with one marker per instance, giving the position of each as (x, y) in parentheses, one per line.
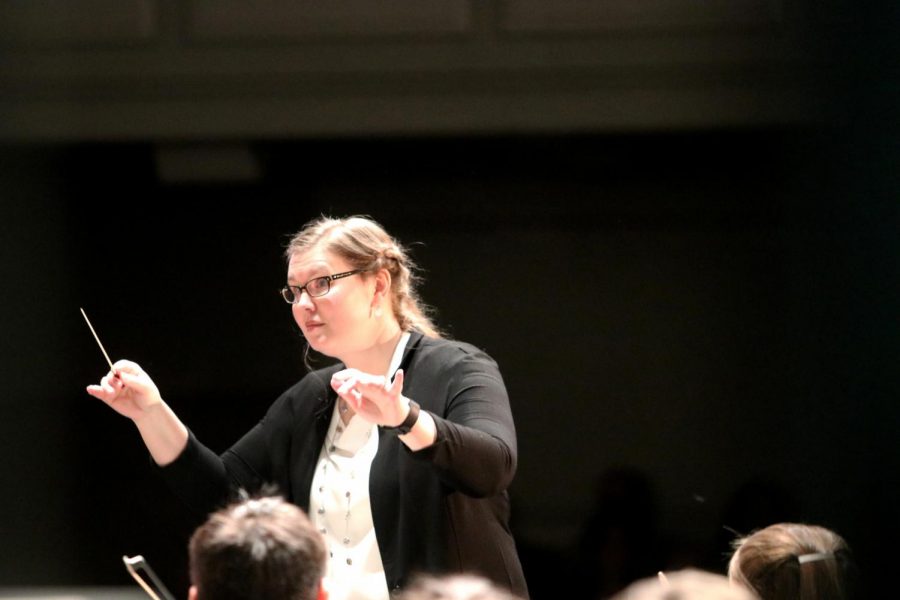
(349, 561)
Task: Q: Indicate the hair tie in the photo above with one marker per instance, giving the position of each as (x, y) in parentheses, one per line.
(805, 558)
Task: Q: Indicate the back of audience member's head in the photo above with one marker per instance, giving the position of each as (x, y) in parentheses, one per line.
(788, 561)
(688, 584)
(455, 587)
(259, 549)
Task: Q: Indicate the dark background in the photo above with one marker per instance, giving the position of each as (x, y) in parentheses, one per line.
(698, 327)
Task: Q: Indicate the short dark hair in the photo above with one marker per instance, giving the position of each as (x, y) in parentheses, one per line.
(261, 548)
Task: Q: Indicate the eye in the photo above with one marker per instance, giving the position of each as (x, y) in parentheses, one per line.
(289, 293)
(318, 286)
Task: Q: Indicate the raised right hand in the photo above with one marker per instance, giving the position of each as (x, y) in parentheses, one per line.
(129, 391)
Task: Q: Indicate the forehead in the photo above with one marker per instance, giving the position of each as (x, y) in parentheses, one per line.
(303, 266)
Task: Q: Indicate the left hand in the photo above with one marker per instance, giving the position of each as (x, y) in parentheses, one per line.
(373, 397)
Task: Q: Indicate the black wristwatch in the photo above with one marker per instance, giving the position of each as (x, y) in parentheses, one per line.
(410, 421)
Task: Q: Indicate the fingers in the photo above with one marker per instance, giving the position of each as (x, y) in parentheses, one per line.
(357, 389)
(98, 392)
(111, 384)
(344, 387)
(343, 375)
(347, 389)
(359, 376)
(124, 374)
(132, 375)
(127, 366)
(109, 388)
(134, 381)
(364, 385)
(342, 382)
(367, 381)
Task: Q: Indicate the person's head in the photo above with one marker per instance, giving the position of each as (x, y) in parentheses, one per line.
(455, 587)
(258, 549)
(788, 561)
(688, 584)
(343, 316)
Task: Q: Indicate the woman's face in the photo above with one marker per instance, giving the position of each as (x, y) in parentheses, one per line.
(339, 323)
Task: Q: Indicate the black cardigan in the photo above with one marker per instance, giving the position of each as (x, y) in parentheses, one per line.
(442, 509)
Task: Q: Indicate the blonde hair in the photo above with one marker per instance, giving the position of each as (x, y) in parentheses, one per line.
(790, 561)
(365, 245)
(455, 587)
(688, 584)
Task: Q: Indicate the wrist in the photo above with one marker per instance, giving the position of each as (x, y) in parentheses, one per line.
(163, 433)
(151, 413)
(409, 420)
(423, 435)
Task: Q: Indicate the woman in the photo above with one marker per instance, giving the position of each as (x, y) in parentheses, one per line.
(790, 561)
(401, 453)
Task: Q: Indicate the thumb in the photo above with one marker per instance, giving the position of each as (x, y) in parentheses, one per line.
(397, 384)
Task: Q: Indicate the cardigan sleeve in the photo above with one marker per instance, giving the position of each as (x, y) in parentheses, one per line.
(205, 481)
(198, 477)
(475, 448)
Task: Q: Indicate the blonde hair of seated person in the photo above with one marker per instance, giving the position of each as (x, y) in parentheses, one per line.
(688, 584)
(792, 561)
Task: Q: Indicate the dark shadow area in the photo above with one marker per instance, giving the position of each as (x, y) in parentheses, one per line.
(714, 309)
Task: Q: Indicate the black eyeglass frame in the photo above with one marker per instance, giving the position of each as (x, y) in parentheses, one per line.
(297, 290)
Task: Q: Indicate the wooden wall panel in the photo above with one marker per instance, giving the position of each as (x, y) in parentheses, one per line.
(77, 22)
(634, 15)
(205, 69)
(299, 19)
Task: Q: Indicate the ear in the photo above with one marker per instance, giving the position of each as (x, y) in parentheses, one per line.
(382, 284)
(192, 593)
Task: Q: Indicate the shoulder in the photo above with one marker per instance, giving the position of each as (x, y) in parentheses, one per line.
(439, 355)
(447, 348)
(442, 374)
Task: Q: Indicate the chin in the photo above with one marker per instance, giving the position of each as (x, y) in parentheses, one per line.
(320, 344)
(323, 351)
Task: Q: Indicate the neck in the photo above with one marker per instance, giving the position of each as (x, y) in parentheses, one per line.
(377, 358)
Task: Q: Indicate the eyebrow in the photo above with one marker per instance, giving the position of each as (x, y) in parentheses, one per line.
(322, 267)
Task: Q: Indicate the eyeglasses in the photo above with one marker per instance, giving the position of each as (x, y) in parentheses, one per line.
(316, 287)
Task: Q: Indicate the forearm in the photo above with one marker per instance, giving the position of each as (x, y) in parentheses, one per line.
(163, 433)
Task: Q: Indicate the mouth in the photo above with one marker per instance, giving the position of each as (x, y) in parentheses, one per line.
(312, 325)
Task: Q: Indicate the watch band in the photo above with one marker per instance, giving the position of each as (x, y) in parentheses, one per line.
(410, 421)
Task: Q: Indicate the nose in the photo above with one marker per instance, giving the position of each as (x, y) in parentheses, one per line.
(302, 309)
(305, 302)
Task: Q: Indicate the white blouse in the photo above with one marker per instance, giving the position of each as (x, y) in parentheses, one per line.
(340, 508)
